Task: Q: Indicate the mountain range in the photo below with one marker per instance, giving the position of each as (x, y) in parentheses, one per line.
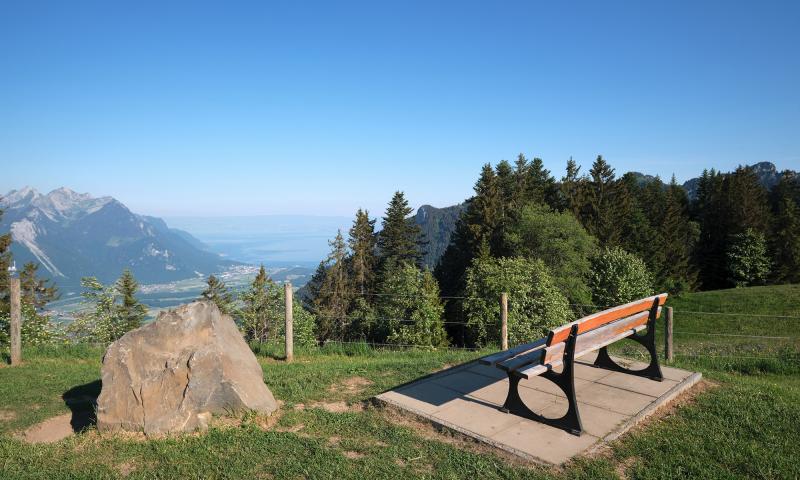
(72, 235)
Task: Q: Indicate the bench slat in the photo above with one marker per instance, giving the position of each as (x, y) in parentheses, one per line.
(589, 342)
(511, 352)
(520, 361)
(599, 319)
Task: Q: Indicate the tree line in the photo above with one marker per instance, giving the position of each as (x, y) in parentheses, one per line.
(559, 248)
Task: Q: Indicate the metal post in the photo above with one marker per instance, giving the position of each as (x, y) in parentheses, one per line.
(668, 353)
(504, 321)
(15, 329)
(287, 288)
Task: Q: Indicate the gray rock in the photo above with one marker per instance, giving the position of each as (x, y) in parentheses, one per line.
(171, 375)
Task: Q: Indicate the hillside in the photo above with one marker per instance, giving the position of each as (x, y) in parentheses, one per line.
(436, 227)
(74, 235)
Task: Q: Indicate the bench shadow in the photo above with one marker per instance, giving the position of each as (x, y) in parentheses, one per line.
(82, 402)
(444, 386)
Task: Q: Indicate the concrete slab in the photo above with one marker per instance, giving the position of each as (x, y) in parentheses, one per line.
(466, 399)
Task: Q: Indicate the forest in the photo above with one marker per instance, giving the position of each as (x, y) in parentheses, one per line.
(560, 248)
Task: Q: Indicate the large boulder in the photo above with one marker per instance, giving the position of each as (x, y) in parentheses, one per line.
(171, 375)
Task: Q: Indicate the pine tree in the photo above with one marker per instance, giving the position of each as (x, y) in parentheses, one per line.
(363, 261)
(262, 308)
(678, 239)
(785, 239)
(131, 312)
(605, 200)
(541, 186)
(333, 299)
(36, 291)
(219, 293)
(710, 212)
(399, 238)
(573, 190)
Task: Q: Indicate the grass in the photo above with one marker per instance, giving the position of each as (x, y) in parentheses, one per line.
(746, 427)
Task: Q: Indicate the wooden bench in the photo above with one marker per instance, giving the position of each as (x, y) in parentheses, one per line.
(566, 343)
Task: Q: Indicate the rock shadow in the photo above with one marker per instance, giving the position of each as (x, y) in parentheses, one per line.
(82, 401)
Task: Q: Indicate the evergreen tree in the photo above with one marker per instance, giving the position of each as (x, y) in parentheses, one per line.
(786, 242)
(573, 190)
(785, 238)
(711, 214)
(219, 293)
(398, 239)
(541, 187)
(36, 291)
(678, 236)
(262, 308)
(605, 199)
(363, 261)
(333, 299)
(131, 312)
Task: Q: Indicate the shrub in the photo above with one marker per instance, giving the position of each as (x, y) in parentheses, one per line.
(37, 329)
(618, 277)
(535, 303)
(411, 308)
(558, 240)
(748, 263)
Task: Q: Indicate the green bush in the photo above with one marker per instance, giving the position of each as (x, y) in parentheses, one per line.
(37, 330)
(618, 277)
(411, 308)
(535, 304)
(748, 263)
(558, 240)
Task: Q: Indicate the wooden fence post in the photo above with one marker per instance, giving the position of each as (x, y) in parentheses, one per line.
(668, 353)
(287, 288)
(15, 329)
(504, 321)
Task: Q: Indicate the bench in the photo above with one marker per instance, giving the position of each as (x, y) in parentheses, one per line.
(566, 343)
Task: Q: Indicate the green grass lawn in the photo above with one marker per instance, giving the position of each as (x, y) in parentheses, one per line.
(744, 427)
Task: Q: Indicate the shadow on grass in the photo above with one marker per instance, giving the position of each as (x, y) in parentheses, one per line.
(82, 401)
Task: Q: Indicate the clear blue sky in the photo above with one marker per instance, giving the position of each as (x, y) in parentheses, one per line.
(320, 108)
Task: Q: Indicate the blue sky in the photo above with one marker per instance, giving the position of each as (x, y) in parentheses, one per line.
(234, 108)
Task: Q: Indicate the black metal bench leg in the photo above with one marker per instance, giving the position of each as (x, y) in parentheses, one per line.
(571, 421)
(648, 341)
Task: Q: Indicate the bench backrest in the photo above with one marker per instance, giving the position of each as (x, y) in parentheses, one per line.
(599, 319)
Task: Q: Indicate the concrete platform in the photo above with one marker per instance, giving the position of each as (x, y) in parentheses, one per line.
(467, 398)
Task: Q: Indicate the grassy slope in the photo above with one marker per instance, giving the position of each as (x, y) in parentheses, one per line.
(745, 428)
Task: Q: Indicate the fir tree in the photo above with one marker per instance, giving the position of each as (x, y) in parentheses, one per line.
(333, 299)
(262, 308)
(785, 238)
(604, 202)
(36, 291)
(573, 189)
(131, 312)
(541, 186)
(678, 239)
(219, 293)
(363, 261)
(399, 238)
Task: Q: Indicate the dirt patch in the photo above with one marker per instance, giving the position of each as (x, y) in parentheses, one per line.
(333, 407)
(350, 386)
(7, 415)
(353, 455)
(50, 430)
(334, 440)
(621, 469)
(126, 469)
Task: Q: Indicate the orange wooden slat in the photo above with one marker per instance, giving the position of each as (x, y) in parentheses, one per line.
(585, 324)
